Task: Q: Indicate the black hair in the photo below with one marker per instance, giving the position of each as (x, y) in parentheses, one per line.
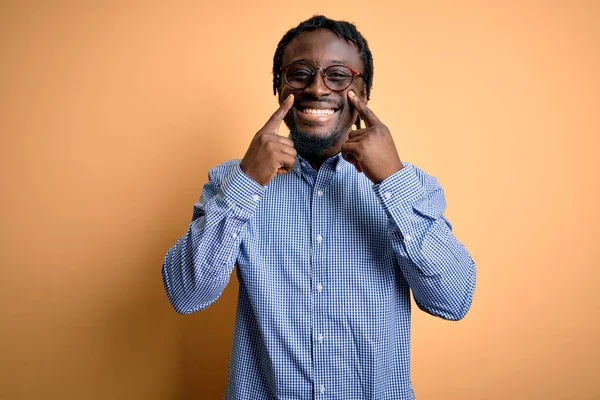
(345, 30)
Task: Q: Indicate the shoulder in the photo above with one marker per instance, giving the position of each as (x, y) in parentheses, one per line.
(411, 171)
(221, 171)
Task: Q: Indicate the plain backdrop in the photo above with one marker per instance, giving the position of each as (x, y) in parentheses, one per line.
(112, 113)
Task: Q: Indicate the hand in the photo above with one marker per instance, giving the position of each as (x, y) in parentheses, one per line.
(371, 150)
(270, 154)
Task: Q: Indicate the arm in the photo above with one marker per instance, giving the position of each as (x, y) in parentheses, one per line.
(198, 267)
(437, 267)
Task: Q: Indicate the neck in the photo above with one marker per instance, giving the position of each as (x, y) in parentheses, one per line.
(317, 160)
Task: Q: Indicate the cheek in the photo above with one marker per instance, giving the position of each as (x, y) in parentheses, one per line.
(359, 88)
(284, 91)
(281, 93)
(349, 110)
(348, 117)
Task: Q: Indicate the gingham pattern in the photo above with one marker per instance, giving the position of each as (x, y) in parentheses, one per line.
(326, 261)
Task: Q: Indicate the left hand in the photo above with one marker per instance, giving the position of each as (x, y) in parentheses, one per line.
(371, 150)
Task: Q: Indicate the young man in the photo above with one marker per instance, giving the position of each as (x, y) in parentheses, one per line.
(330, 232)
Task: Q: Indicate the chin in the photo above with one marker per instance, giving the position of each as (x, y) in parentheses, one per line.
(314, 142)
(316, 132)
(314, 135)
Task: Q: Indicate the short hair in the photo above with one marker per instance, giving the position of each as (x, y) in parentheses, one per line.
(345, 30)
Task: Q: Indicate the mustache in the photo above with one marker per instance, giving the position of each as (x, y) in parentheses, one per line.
(339, 104)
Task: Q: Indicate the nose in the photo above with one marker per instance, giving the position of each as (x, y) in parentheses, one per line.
(317, 87)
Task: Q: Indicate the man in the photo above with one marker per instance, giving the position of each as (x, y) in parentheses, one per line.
(330, 232)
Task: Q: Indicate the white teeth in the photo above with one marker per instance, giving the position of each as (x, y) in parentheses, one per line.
(319, 112)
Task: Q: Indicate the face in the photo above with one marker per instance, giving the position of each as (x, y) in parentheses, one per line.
(321, 118)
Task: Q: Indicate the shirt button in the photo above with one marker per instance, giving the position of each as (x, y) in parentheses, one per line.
(319, 287)
(255, 197)
(320, 193)
(407, 237)
(320, 338)
(338, 168)
(387, 195)
(319, 238)
(322, 388)
(234, 235)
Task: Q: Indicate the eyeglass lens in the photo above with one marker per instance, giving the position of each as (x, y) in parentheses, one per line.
(337, 77)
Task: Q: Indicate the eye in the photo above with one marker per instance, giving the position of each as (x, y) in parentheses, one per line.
(299, 74)
(338, 73)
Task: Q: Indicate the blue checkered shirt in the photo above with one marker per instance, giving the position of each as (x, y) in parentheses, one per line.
(326, 262)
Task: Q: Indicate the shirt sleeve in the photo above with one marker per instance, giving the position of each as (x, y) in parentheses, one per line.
(437, 267)
(197, 269)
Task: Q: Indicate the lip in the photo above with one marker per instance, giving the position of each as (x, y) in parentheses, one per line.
(317, 106)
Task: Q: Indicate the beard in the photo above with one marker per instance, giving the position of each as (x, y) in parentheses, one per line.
(310, 145)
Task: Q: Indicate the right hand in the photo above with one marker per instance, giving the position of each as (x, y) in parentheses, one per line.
(270, 154)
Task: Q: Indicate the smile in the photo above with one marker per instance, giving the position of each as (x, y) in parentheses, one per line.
(326, 112)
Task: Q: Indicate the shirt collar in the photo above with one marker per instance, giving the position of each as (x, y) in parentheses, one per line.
(337, 162)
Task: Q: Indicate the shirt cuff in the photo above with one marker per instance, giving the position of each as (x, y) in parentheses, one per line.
(400, 190)
(242, 190)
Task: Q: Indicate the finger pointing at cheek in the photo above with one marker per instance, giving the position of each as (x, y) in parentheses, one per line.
(371, 150)
(365, 113)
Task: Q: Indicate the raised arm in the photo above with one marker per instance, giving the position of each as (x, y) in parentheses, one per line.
(197, 269)
(437, 267)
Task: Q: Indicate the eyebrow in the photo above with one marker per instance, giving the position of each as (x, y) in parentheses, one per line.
(332, 62)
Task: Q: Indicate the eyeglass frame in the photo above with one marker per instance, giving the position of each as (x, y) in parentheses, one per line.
(355, 73)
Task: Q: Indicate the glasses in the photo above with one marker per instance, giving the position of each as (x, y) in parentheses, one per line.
(335, 77)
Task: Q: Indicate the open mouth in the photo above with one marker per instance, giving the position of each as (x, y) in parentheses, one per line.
(319, 112)
(315, 115)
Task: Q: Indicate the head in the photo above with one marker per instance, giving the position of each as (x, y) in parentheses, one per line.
(322, 117)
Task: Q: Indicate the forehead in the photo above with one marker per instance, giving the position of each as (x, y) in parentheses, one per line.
(321, 48)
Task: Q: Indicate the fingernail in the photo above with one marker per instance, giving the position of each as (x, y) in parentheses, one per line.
(351, 93)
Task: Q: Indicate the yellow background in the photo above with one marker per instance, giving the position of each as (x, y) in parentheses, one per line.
(111, 114)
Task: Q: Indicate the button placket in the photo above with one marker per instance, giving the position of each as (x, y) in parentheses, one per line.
(320, 215)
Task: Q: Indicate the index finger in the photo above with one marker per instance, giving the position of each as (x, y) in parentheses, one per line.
(274, 122)
(365, 113)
